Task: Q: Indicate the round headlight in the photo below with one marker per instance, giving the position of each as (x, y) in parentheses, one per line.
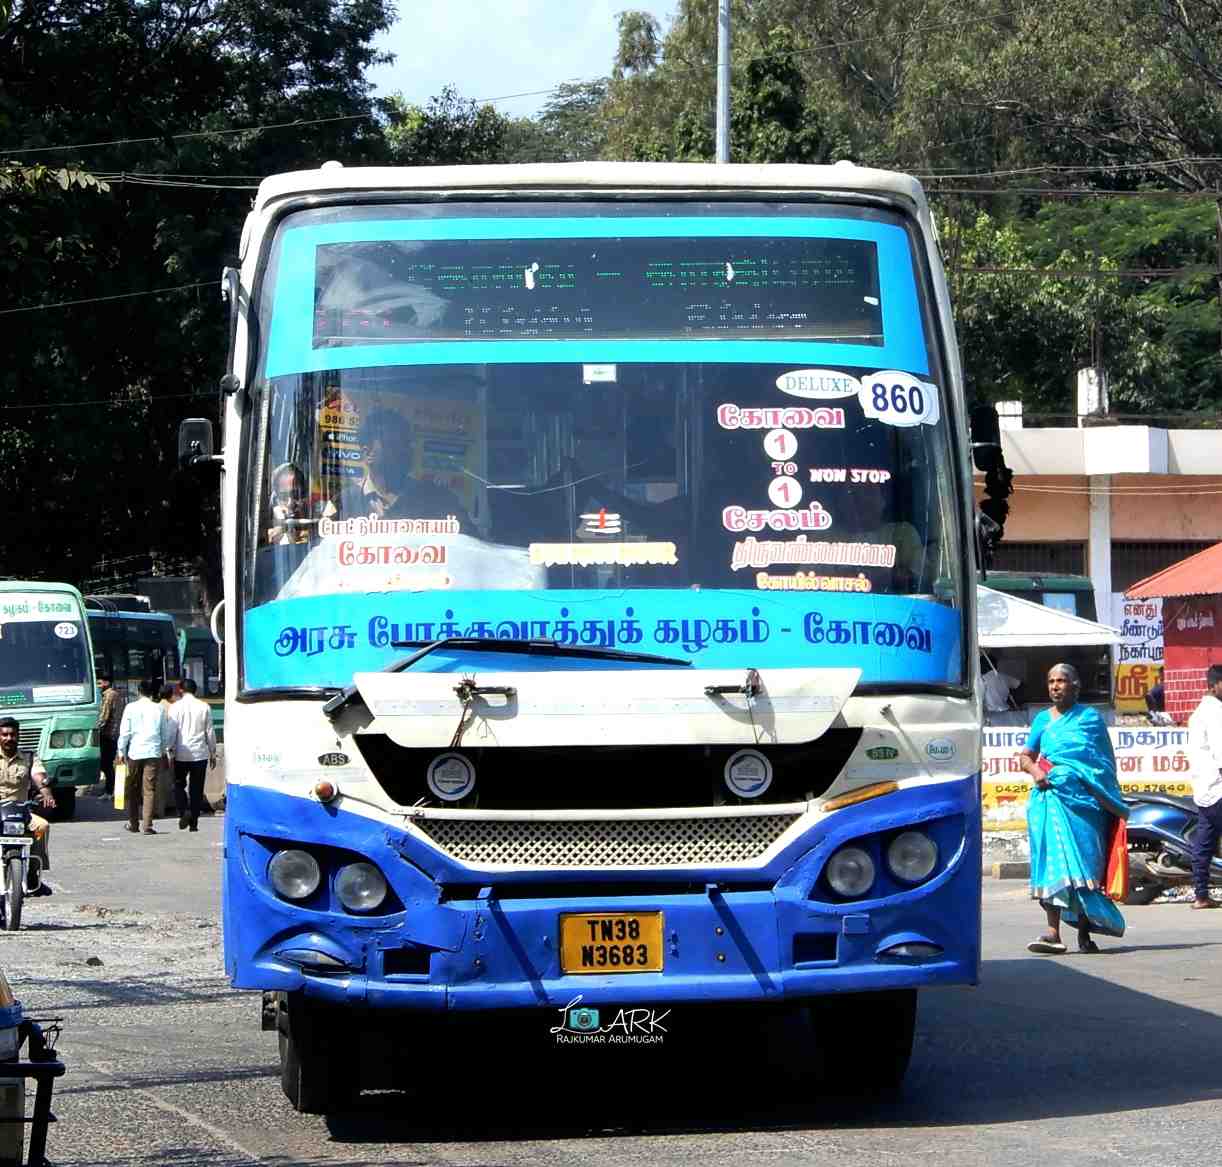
(59, 739)
(850, 872)
(361, 887)
(748, 774)
(78, 739)
(294, 874)
(912, 856)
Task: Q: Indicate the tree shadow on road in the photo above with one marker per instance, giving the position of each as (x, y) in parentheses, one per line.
(1041, 1039)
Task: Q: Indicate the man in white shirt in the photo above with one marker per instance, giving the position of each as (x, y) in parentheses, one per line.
(995, 686)
(1205, 748)
(194, 749)
(144, 737)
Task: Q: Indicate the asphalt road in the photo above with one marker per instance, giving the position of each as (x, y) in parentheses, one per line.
(1074, 1060)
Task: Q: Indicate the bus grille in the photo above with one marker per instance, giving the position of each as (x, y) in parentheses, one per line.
(671, 842)
(28, 738)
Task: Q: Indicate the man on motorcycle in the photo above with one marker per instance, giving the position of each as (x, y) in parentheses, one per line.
(18, 774)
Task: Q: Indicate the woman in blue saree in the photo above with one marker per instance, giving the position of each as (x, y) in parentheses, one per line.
(1069, 817)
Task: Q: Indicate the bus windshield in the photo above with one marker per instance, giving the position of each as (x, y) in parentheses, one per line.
(718, 435)
(44, 654)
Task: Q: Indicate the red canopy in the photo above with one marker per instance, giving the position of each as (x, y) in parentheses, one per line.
(1198, 575)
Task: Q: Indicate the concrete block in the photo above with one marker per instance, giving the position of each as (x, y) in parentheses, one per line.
(1012, 869)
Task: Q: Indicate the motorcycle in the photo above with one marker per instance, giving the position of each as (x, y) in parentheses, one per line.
(1161, 830)
(20, 870)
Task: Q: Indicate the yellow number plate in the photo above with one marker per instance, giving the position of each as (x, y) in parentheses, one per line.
(611, 942)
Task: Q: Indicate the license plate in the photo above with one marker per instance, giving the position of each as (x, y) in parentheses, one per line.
(611, 942)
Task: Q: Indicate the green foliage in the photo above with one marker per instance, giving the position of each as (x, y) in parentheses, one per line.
(445, 132)
(92, 392)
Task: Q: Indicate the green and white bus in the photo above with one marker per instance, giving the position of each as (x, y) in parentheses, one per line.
(47, 681)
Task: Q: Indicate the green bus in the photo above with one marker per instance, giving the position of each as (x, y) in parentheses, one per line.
(47, 682)
(1074, 594)
(201, 661)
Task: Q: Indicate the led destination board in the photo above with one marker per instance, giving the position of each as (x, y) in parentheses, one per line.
(568, 288)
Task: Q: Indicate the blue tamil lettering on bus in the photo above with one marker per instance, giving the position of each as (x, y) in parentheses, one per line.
(322, 640)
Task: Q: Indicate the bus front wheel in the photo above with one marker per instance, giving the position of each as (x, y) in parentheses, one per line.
(319, 1064)
(864, 1040)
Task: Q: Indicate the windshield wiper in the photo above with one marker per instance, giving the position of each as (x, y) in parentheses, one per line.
(537, 647)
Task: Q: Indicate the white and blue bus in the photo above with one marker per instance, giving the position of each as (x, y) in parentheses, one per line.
(598, 568)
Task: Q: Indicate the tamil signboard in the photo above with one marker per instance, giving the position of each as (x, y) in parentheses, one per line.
(1148, 760)
(1140, 652)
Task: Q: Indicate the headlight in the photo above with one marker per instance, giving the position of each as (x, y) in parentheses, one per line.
(361, 887)
(850, 872)
(59, 739)
(912, 856)
(78, 739)
(14, 828)
(294, 874)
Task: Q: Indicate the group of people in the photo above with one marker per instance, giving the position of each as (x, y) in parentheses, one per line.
(1077, 799)
(166, 726)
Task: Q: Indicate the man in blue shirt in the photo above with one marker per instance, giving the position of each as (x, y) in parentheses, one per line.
(145, 736)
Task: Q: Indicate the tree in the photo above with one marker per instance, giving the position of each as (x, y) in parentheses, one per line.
(571, 128)
(447, 131)
(98, 387)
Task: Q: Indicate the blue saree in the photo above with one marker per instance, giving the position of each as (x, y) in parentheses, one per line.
(1069, 824)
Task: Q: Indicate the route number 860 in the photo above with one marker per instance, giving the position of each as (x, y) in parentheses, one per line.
(900, 399)
(897, 398)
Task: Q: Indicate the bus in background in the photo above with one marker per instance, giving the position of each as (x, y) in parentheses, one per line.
(597, 545)
(130, 644)
(47, 682)
(1074, 594)
(201, 661)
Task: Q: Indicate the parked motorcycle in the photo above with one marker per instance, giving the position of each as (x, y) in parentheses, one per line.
(20, 870)
(1161, 830)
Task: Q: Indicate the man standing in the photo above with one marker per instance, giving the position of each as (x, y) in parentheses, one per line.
(1156, 702)
(145, 735)
(194, 748)
(108, 728)
(18, 775)
(1205, 746)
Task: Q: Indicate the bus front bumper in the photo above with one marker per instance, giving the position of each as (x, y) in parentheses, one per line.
(497, 947)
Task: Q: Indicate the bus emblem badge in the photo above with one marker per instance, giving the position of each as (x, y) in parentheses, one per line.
(333, 759)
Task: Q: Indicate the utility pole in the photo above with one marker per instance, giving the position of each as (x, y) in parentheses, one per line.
(723, 81)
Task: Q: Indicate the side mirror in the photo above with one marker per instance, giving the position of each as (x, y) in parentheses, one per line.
(986, 438)
(987, 536)
(195, 445)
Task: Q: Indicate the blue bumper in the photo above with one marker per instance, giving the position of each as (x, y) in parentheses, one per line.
(454, 939)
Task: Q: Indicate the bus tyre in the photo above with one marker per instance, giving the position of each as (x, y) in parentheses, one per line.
(318, 1063)
(65, 802)
(864, 1040)
(14, 893)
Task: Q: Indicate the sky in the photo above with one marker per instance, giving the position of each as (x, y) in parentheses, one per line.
(492, 48)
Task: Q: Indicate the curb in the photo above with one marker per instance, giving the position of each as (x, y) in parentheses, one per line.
(1011, 869)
